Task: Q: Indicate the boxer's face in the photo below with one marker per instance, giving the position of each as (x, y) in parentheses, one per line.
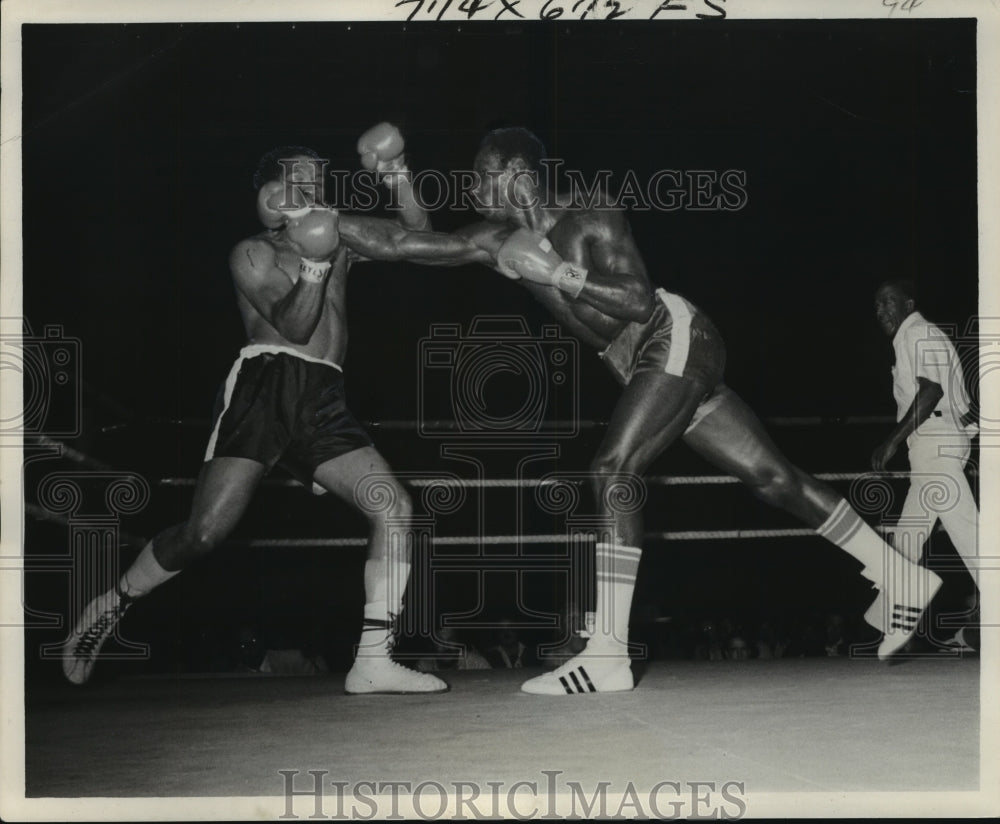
(489, 198)
(503, 192)
(891, 309)
(306, 172)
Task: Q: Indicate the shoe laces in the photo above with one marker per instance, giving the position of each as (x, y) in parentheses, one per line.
(96, 631)
(390, 627)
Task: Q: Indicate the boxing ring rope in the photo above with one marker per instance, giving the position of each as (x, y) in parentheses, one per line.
(494, 540)
(515, 483)
(40, 513)
(70, 454)
(524, 483)
(455, 426)
(800, 420)
(529, 483)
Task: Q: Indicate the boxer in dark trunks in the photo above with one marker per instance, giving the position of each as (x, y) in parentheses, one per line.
(584, 266)
(284, 401)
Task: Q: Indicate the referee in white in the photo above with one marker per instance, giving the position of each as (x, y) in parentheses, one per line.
(935, 422)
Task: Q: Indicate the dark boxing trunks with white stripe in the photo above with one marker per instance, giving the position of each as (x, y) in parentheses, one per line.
(279, 405)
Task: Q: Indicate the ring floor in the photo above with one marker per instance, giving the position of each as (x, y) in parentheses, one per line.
(788, 725)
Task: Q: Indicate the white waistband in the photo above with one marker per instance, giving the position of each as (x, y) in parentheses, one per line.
(254, 349)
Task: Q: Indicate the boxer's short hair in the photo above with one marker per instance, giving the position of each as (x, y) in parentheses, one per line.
(515, 143)
(269, 166)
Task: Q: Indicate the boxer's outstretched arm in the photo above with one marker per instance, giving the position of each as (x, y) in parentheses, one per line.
(412, 215)
(379, 239)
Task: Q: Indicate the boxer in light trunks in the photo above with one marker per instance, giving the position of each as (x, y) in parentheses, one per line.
(583, 265)
(283, 401)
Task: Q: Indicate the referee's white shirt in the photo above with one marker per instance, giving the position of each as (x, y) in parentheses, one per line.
(924, 351)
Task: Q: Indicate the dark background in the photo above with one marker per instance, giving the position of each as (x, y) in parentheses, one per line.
(858, 139)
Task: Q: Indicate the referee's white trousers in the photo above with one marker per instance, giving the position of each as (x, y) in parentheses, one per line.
(938, 490)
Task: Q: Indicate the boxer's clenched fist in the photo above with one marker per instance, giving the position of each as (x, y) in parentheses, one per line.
(315, 234)
(528, 255)
(381, 150)
(316, 238)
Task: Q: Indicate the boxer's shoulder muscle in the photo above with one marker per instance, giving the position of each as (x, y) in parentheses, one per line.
(259, 262)
(603, 222)
(588, 224)
(252, 257)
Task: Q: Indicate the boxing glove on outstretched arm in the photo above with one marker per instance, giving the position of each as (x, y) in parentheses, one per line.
(381, 150)
(526, 254)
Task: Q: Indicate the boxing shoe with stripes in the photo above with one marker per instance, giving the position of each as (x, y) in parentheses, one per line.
(95, 626)
(584, 674)
(900, 604)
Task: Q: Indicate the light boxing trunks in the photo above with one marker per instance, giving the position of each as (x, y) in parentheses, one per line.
(280, 405)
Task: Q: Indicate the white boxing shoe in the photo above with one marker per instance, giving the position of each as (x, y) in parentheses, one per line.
(96, 624)
(585, 673)
(900, 603)
(374, 674)
(875, 614)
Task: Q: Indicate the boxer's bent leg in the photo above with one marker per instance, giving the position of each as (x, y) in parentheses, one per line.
(222, 494)
(732, 437)
(224, 489)
(654, 410)
(652, 413)
(363, 479)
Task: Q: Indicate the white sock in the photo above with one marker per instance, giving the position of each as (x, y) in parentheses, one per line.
(376, 630)
(616, 567)
(144, 575)
(845, 529)
(385, 583)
